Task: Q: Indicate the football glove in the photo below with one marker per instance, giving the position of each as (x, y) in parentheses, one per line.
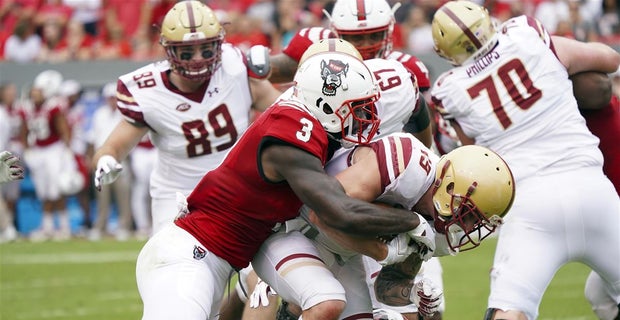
(424, 235)
(426, 296)
(107, 171)
(10, 168)
(398, 249)
(260, 295)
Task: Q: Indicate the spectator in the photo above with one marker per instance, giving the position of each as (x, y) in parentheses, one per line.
(609, 23)
(551, 12)
(87, 12)
(79, 42)
(104, 120)
(583, 29)
(53, 10)
(53, 43)
(24, 45)
(112, 43)
(418, 32)
(245, 32)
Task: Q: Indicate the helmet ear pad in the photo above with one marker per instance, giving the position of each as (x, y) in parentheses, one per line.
(340, 91)
(190, 27)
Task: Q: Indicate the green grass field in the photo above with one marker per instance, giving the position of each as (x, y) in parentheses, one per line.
(96, 281)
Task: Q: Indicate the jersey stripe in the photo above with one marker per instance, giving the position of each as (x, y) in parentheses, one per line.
(393, 155)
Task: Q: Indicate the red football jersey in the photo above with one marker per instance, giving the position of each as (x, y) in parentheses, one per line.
(233, 209)
(306, 36)
(605, 124)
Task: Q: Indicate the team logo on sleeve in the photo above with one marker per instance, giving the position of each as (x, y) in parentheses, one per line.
(331, 73)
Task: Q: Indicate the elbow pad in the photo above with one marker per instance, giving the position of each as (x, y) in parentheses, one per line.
(259, 66)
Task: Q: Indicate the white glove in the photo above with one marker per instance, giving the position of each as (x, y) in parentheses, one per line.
(181, 205)
(398, 249)
(386, 314)
(10, 168)
(258, 61)
(107, 171)
(424, 235)
(260, 295)
(426, 296)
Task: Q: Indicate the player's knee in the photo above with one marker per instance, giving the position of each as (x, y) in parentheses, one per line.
(330, 309)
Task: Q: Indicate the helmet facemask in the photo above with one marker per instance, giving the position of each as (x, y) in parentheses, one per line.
(463, 224)
(359, 120)
(380, 41)
(181, 57)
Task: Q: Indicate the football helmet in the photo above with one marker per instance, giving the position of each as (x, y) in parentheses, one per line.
(463, 30)
(191, 25)
(372, 20)
(340, 91)
(474, 189)
(330, 45)
(49, 82)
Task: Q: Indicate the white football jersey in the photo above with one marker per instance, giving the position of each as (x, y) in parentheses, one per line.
(407, 169)
(192, 132)
(513, 100)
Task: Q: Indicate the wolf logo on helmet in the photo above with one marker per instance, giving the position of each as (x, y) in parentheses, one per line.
(331, 73)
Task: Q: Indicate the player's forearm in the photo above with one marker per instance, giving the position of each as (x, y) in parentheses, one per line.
(283, 68)
(394, 283)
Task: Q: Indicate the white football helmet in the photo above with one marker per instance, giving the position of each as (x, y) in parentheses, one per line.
(187, 26)
(474, 189)
(368, 24)
(49, 82)
(463, 30)
(340, 91)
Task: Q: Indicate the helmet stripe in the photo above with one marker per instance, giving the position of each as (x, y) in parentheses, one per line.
(462, 26)
(361, 10)
(331, 44)
(190, 16)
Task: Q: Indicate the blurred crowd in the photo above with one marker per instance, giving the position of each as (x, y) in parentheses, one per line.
(55, 31)
(66, 30)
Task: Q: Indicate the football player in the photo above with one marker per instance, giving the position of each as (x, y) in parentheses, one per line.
(510, 91)
(466, 193)
(194, 106)
(183, 270)
(46, 135)
(601, 109)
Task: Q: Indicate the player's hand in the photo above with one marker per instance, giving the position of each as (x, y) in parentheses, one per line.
(258, 61)
(385, 314)
(424, 235)
(427, 296)
(181, 205)
(10, 168)
(260, 295)
(107, 171)
(398, 249)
